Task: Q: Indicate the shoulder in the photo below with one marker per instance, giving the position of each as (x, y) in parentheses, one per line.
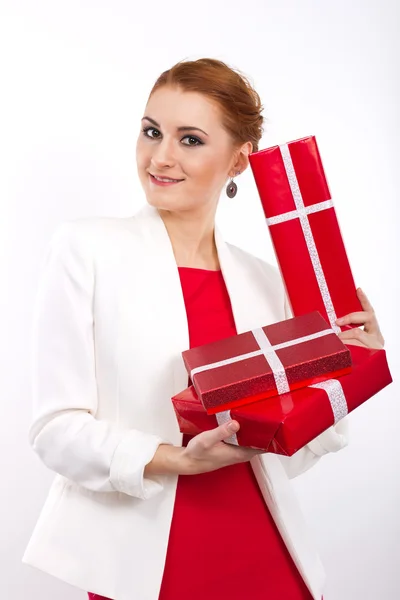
(89, 227)
(89, 234)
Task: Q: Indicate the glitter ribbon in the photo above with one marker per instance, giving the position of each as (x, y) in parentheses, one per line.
(336, 397)
(270, 354)
(302, 213)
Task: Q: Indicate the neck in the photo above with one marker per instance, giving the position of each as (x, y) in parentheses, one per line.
(192, 238)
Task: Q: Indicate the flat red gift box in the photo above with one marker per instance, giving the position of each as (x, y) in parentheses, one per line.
(283, 424)
(304, 229)
(267, 361)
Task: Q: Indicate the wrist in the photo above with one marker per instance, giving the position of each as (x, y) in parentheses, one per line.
(168, 460)
(173, 460)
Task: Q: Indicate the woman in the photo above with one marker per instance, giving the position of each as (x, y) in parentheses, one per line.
(136, 511)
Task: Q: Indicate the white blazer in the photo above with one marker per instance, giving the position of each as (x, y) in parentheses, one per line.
(109, 328)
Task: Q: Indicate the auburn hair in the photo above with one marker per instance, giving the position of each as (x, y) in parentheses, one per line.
(239, 102)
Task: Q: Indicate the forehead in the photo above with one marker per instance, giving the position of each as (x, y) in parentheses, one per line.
(173, 107)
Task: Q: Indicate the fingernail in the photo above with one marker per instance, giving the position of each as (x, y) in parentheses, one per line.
(233, 427)
(340, 321)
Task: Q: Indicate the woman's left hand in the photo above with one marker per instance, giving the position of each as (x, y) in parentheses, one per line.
(370, 336)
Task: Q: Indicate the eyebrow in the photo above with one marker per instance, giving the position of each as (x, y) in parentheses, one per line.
(185, 128)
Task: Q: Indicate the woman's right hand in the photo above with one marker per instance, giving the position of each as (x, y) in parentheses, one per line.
(205, 452)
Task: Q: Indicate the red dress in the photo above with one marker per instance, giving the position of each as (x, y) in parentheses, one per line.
(223, 541)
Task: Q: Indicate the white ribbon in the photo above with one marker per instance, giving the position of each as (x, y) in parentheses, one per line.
(336, 398)
(270, 354)
(302, 213)
(278, 370)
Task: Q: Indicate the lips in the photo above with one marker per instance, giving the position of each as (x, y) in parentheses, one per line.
(167, 179)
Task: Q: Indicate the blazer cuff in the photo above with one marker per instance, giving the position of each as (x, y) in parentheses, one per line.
(133, 453)
(333, 439)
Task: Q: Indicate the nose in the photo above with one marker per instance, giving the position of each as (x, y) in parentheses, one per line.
(163, 155)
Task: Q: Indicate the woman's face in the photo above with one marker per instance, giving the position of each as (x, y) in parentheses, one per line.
(183, 141)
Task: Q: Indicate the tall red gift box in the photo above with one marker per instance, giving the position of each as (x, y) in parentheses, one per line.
(266, 361)
(304, 229)
(283, 424)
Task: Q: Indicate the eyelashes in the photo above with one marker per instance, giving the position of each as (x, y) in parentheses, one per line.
(197, 141)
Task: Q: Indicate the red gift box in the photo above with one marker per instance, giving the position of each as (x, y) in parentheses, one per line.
(304, 230)
(267, 361)
(283, 424)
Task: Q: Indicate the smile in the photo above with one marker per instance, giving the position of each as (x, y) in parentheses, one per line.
(164, 180)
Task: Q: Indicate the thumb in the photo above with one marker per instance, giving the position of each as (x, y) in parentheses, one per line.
(231, 427)
(225, 431)
(218, 434)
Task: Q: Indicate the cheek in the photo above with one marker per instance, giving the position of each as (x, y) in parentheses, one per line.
(208, 169)
(142, 155)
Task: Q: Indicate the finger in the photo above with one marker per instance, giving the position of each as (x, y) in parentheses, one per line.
(365, 303)
(243, 453)
(356, 318)
(372, 326)
(209, 438)
(368, 319)
(359, 337)
(248, 453)
(355, 334)
(238, 454)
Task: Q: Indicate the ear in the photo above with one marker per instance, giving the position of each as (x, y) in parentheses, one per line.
(241, 159)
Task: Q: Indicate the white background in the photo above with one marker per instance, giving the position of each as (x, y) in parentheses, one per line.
(74, 80)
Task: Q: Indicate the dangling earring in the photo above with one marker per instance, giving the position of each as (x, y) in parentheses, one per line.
(231, 188)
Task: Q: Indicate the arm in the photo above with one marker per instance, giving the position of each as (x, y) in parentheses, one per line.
(64, 431)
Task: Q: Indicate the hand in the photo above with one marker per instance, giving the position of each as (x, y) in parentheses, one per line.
(205, 452)
(370, 336)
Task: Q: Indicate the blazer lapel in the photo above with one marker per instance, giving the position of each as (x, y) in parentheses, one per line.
(250, 306)
(167, 301)
(250, 300)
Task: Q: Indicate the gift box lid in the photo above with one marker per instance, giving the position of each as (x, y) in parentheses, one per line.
(274, 358)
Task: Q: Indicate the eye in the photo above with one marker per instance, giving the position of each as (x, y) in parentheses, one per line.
(192, 141)
(155, 134)
(146, 132)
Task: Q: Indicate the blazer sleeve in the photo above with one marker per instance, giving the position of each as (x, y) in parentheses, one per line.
(333, 439)
(64, 431)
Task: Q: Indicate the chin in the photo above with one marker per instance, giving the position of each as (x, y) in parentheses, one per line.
(161, 203)
(164, 203)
